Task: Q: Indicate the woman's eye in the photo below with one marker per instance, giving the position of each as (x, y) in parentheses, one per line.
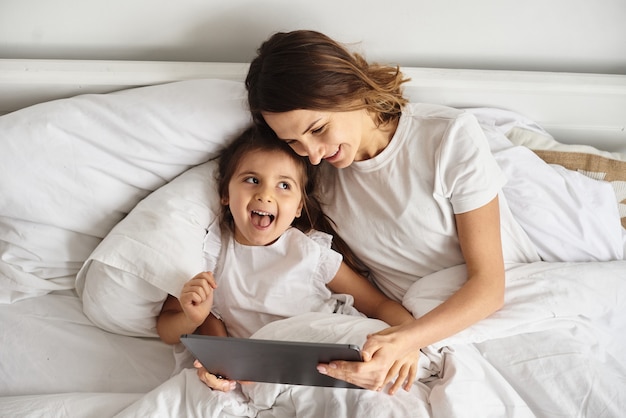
(318, 130)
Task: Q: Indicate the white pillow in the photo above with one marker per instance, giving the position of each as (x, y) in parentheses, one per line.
(592, 162)
(566, 215)
(150, 253)
(71, 169)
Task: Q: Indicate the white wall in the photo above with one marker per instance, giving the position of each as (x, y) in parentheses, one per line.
(548, 35)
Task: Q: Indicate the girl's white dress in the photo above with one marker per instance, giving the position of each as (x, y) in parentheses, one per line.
(261, 284)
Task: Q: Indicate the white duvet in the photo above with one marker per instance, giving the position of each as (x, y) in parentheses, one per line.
(555, 349)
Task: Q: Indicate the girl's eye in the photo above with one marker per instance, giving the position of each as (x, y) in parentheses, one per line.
(284, 185)
(252, 180)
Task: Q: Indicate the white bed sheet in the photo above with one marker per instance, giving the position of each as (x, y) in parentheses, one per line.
(557, 349)
(53, 360)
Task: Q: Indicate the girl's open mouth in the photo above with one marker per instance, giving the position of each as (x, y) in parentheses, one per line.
(261, 219)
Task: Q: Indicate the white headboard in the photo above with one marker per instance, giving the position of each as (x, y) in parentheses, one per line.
(574, 108)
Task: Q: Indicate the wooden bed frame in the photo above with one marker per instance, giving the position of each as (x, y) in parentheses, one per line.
(574, 108)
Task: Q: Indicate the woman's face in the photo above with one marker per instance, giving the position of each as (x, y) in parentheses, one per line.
(337, 137)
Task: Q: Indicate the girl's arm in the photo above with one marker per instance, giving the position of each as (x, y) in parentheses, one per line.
(172, 323)
(479, 297)
(191, 312)
(212, 326)
(368, 299)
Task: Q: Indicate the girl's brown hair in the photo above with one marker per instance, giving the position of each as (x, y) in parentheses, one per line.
(259, 138)
(308, 70)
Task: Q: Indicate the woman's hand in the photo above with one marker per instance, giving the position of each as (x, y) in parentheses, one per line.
(196, 297)
(385, 358)
(212, 381)
(403, 369)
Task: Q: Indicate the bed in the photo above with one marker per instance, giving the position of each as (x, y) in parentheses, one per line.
(106, 194)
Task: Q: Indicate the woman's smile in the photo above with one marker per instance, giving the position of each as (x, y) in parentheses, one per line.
(335, 156)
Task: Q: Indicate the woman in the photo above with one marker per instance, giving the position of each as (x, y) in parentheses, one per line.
(412, 188)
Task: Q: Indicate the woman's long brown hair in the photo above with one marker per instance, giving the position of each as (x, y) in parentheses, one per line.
(308, 70)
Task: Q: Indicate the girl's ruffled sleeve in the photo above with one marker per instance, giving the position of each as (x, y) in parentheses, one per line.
(330, 260)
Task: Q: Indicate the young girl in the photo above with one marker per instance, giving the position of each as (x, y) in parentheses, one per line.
(272, 263)
(421, 177)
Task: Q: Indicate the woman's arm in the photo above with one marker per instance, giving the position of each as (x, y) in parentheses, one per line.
(480, 296)
(483, 292)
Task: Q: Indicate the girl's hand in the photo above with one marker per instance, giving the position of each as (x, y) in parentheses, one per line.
(212, 381)
(385, 358)
(196, 297)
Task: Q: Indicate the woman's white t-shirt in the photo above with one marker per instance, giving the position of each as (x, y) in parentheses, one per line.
(396, 210)
(261, 284)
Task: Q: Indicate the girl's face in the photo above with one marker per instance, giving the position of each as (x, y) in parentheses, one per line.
(264, 196)
(337, 137)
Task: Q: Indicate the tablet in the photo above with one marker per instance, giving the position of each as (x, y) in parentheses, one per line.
(270, 360)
